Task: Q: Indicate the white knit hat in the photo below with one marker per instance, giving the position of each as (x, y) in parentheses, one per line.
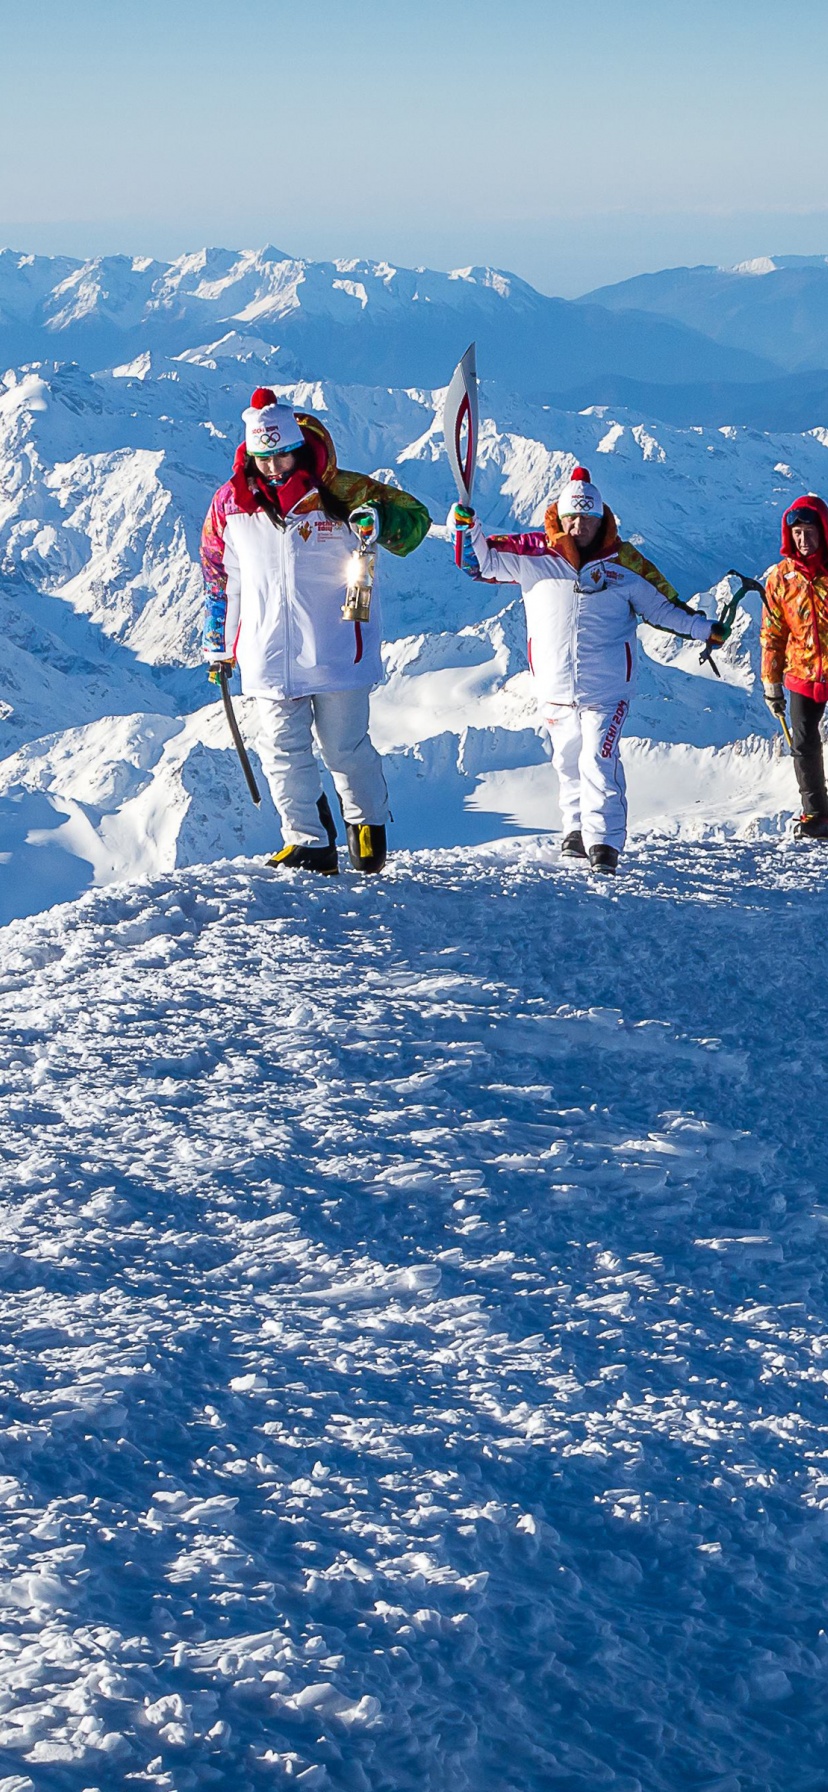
(270, 427)
(579, 496)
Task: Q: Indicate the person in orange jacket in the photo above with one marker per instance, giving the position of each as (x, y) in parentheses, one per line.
(795, 651)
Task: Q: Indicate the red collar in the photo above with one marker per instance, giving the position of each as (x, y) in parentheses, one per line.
(251, 493)
(811, 565)
(285, 497)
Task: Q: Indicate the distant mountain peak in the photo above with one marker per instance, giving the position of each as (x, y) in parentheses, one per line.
(762, 264)
(777, 264)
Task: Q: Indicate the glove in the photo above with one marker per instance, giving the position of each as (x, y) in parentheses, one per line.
(719, 633)
(775, 699)
(216, 667)
(462, 516)
(365, 523)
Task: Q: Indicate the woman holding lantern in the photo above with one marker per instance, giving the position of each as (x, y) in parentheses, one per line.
(288, 551)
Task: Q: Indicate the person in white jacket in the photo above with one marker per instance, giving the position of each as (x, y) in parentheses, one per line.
(277, 553)
(583, 592)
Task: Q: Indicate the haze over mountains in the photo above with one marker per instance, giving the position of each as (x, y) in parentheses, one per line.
(119, 413)
(774, 306)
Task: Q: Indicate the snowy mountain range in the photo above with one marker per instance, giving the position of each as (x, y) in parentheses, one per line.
(367, 321)
(115, 757)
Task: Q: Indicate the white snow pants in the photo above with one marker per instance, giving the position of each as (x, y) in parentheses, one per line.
(340, 722)
(585, 755)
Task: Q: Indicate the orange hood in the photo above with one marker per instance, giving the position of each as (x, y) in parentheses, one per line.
(606, 541)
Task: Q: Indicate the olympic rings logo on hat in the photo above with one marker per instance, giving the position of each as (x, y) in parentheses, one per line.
(268, 433)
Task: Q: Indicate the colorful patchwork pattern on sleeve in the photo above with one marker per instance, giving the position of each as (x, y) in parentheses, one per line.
(531, 544)
(465, 556)
(215, 577)
(403, 520)
(635, 562)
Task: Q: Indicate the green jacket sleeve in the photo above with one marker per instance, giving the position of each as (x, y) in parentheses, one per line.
(404, 521)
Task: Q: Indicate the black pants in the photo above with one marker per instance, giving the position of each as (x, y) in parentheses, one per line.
(809, 764)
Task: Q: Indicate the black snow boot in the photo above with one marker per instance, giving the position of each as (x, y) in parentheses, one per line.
(603, 859)
(306, 858)
(811, 827)
(572, 845)
(367, 845)
(312, 858)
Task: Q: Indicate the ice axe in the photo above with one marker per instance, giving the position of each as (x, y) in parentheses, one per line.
(460, 427)
(250, 780)
(728, 616)
(747, 584)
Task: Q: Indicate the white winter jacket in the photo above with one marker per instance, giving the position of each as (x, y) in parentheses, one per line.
(581, 626)
(275, 599)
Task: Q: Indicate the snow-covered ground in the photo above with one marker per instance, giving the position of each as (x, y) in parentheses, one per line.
(414, 1337)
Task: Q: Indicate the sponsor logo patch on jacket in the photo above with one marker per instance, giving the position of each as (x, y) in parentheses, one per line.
(593, 577)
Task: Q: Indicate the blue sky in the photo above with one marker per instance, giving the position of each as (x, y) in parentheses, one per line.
(573, 143)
